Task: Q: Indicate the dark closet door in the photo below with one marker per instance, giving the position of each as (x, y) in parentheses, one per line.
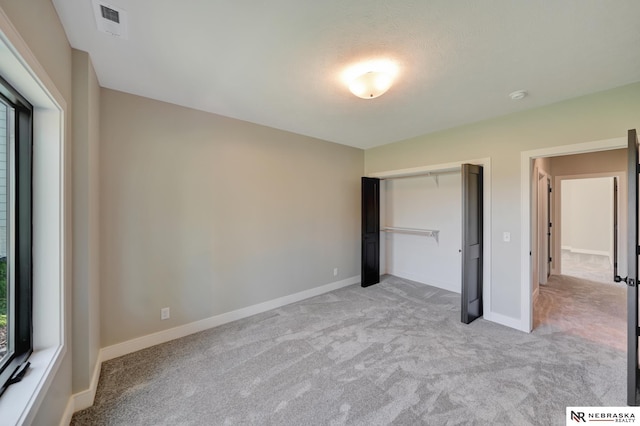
(549, 225)
(471, 242)
(370, 231)
(632, 278)
(616, 277)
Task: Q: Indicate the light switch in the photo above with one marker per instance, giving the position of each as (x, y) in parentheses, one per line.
(506, 237)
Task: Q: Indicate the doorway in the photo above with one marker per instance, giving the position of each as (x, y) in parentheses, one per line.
(573, 228)
(573, 246)
(529, 266)
(631, 196)
(587, 239)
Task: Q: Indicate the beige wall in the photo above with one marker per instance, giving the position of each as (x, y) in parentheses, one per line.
(38, 24)
(206, 214)
(614, 160)
(86, 286)
(598, 116)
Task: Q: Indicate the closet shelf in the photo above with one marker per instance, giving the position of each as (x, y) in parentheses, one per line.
(414, 231)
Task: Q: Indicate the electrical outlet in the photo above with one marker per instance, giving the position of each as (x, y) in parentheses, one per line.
(335, 272)
(165, 313)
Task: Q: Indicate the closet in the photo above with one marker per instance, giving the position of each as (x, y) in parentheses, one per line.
(421, 229)
(426, 228)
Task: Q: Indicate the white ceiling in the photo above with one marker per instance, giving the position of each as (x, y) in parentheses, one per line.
(278, 63)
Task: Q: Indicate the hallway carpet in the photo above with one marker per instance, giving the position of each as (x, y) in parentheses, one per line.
(590, 267)
(393, 353)
(592, 310)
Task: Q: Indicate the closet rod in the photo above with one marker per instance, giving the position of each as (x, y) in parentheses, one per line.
(413, 231)
(425, 174)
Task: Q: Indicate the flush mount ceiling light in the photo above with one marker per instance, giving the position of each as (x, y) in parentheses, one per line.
(370, 84)
(368, 80)
(517, 95)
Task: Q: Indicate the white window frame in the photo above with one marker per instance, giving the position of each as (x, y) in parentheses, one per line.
(18, 65)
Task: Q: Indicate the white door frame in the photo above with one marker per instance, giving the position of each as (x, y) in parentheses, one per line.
(526, 164)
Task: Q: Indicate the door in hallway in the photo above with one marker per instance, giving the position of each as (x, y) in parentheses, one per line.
(548, 224)
(544, 227)
(633, 372)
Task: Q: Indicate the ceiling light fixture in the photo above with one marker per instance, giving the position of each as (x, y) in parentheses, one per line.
(370, 84)
(368, 80)
(517, 95)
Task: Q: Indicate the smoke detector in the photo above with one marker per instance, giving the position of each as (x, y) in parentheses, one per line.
(110, 19)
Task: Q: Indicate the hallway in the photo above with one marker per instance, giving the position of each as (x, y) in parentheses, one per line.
(589, 309)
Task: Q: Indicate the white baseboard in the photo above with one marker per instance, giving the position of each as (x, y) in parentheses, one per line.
(456, 288)
(149, 340)
(587, 251)
(68, 413)
(507, 321)
(84, 399)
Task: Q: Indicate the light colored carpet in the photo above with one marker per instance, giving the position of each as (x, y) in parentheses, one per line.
(393, 353)
(591, 267)
(592, 310)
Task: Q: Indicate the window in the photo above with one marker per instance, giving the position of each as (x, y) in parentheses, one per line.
(15, 233)
(21, 403)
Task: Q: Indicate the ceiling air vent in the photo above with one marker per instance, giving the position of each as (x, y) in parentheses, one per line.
(110, 19)
(110, 14)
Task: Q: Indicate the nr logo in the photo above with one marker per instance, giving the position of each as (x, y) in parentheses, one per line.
(577, 416)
